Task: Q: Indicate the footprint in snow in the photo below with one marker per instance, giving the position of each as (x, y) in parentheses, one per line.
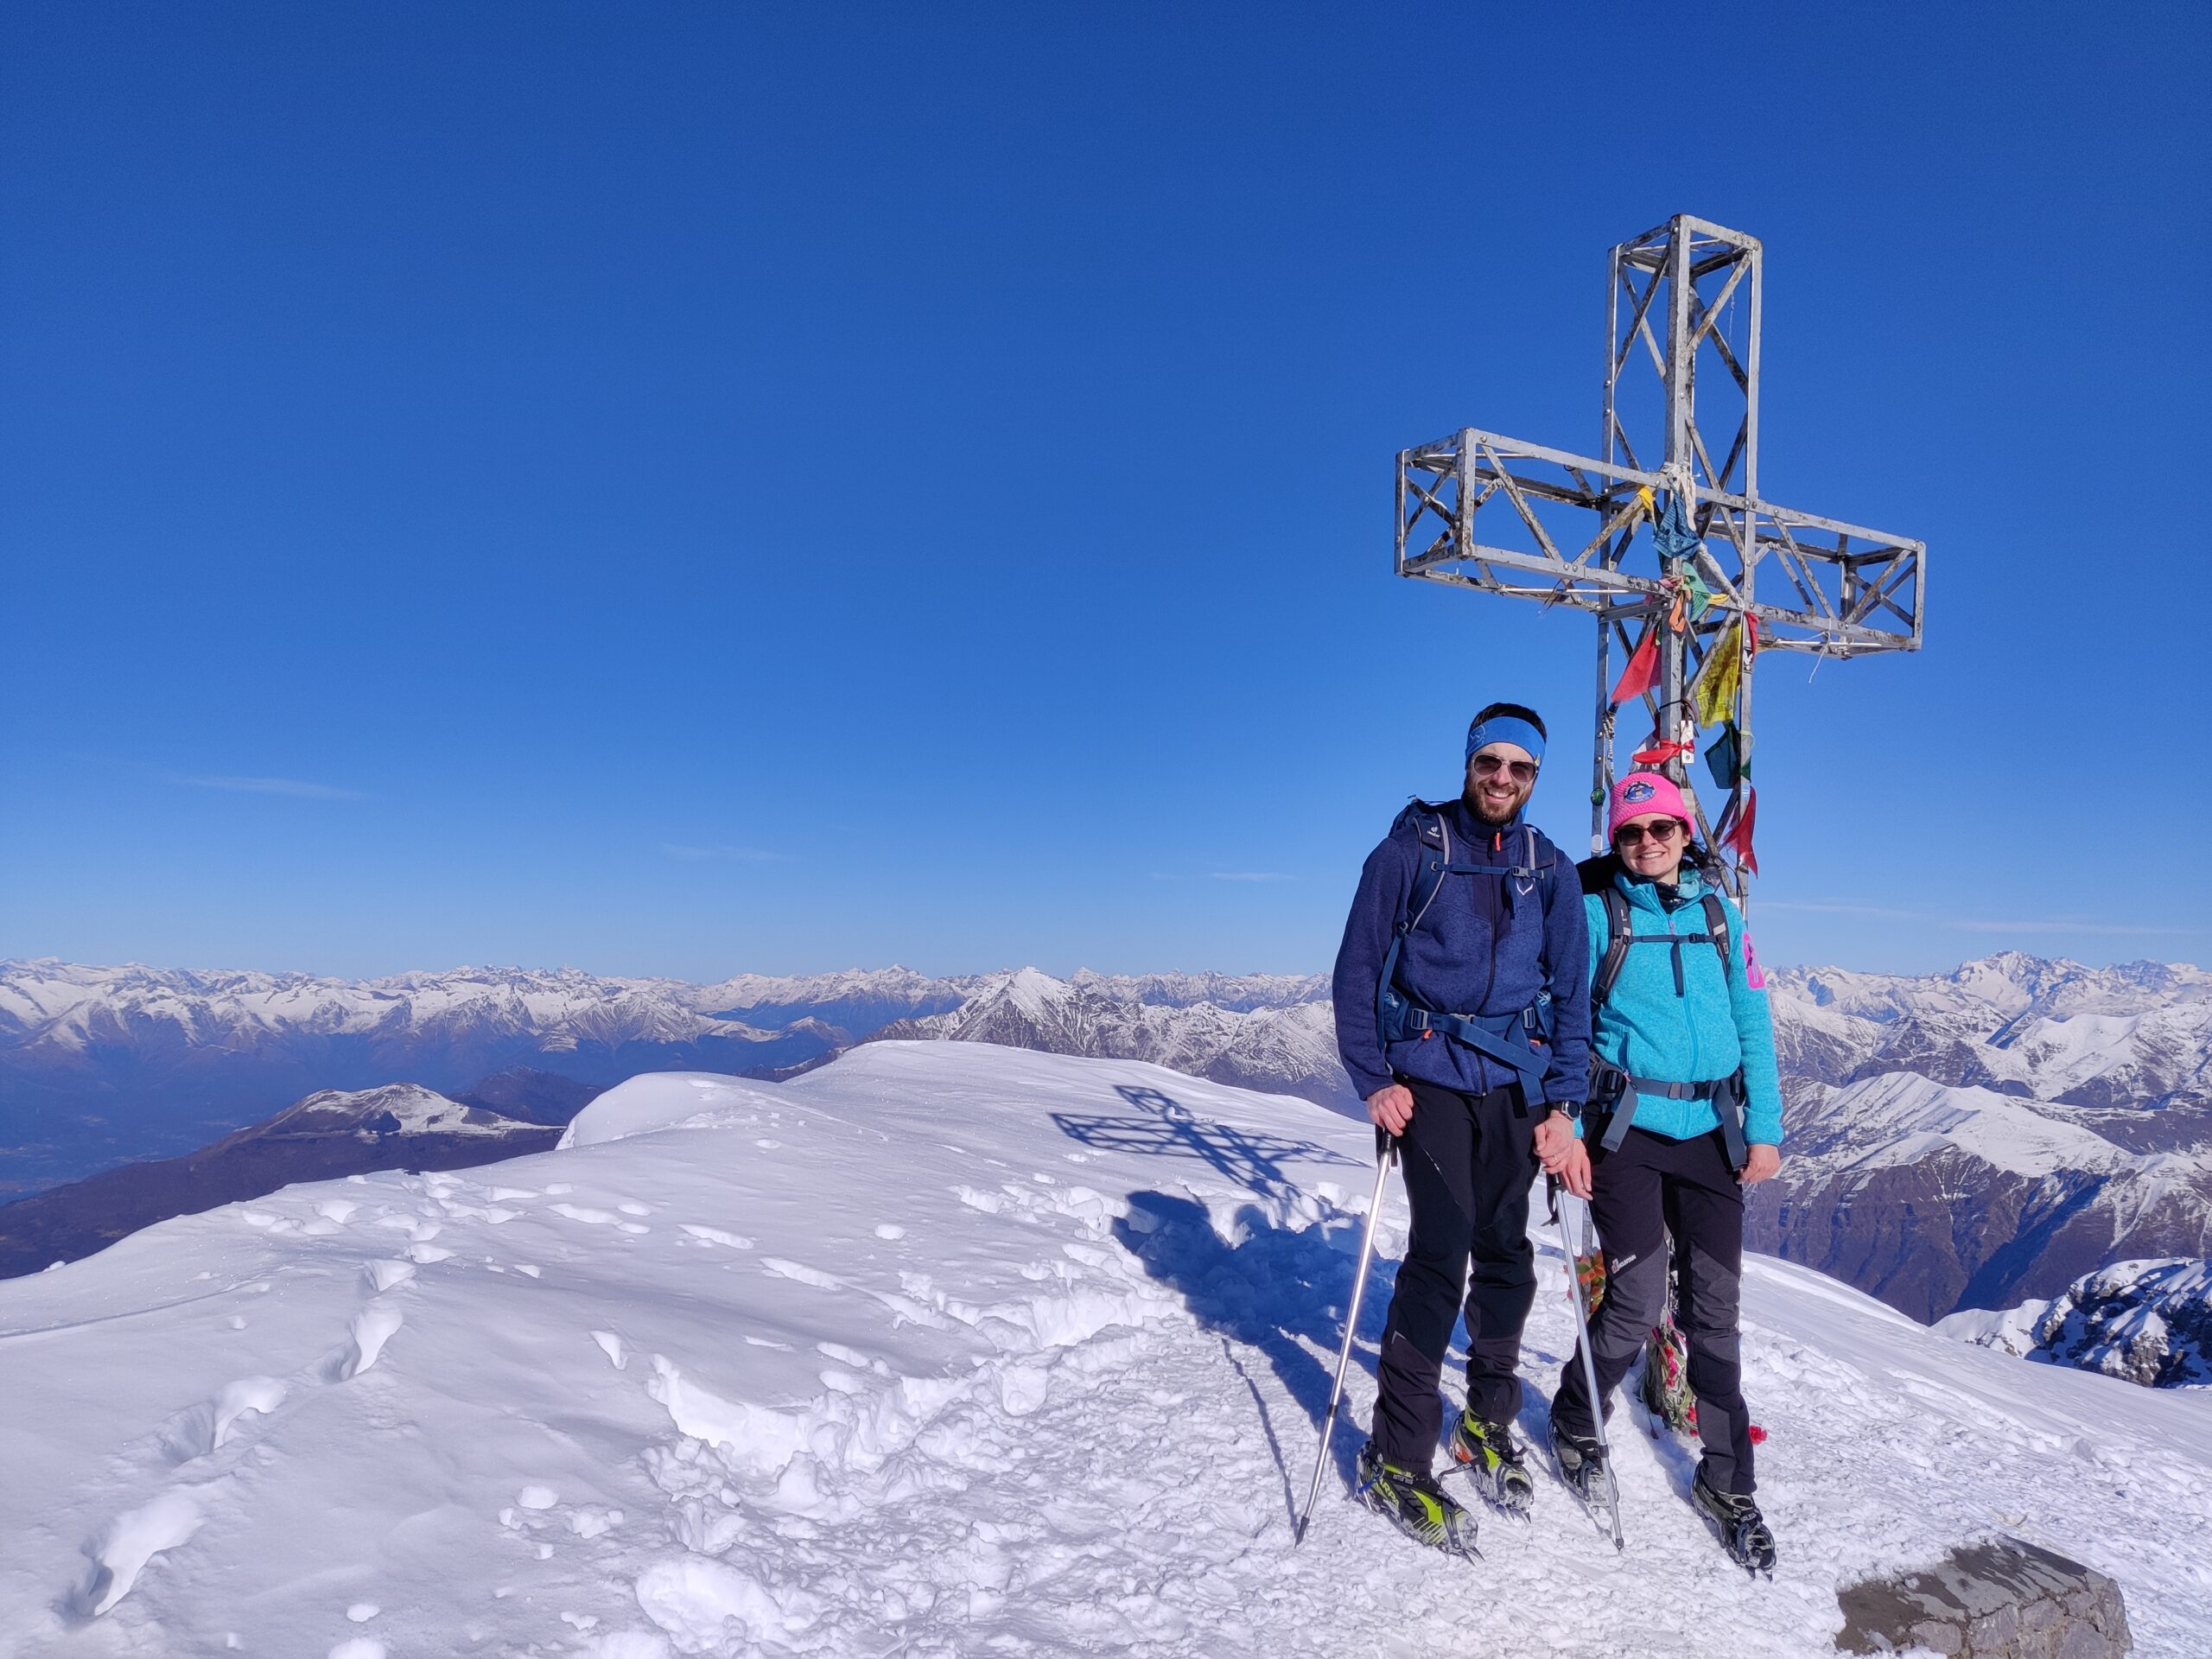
(131, 1541)
(197, 1432)
(716, 1236)
(601, 1217)
(372, 1328)
(694, 1599)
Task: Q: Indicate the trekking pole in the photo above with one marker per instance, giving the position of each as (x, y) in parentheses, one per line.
(1352, 1325)
(1589, 1365)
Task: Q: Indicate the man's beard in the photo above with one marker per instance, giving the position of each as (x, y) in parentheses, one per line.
(1473, 797)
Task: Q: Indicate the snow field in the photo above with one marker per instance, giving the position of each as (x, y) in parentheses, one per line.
(942, 1349)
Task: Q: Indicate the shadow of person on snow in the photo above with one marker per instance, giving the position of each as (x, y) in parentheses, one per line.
(1272, 1289)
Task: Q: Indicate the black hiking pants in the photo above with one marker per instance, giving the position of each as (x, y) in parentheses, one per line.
(1648, 1189)
(1468, 1160)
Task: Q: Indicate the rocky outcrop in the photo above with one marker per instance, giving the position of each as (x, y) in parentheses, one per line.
(2003, 1599)
(2146, 1322)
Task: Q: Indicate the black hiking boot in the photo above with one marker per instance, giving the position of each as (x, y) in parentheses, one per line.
(1414, 1503)
(1493, 1461)
(1581, 1466)
(1736, 1520)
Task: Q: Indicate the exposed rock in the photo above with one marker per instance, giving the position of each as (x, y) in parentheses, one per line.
(2147, 1322)
(2002, 1599)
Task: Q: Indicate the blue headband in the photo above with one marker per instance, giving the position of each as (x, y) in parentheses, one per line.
(1505, 729)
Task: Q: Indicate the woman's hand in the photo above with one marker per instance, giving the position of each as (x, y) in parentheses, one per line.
(1562, 1156)
(1760, 1165)
(1574, 1175)
(1392, 1107)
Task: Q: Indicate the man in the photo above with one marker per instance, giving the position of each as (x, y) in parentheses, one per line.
(1462, 1015)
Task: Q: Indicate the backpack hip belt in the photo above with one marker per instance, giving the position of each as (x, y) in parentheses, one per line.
(1514, 1040)
(1727, 1094)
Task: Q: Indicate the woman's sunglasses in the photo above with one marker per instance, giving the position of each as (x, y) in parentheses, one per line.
(1521, 771)
(1630, 834)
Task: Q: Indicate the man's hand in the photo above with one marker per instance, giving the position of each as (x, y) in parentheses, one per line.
(1554, 1136)
(1392, 1107)
(1760, 1165)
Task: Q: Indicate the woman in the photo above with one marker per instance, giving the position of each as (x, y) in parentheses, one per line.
(1679, 1017)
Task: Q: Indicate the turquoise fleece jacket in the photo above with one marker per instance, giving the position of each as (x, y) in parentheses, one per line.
(1717, 1022)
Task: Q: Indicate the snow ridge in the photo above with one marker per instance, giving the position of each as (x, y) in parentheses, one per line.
(943, 1348)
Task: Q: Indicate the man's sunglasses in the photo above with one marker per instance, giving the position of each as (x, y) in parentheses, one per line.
(1521, 771)
(1666, 830)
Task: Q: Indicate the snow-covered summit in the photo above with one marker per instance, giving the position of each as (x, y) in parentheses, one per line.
(943, 1348)
(395, 1109)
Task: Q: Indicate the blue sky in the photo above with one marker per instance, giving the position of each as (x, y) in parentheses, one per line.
(688, 489)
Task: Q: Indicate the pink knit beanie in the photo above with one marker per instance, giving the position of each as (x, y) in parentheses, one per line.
(1641, 793)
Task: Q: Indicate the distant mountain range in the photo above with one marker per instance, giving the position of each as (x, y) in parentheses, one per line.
(102, 1064)
(1968, 1139)
(1256, 1032)
(331, 1133)
(1972, 1138)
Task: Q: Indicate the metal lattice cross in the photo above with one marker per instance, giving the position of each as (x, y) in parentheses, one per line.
(1834, 589)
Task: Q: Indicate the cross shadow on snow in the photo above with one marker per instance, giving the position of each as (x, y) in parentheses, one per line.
(1264, 1288)
(1167, 1128)
(1277, 1289)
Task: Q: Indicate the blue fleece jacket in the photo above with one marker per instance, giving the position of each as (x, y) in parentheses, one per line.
(1717, 1022)
(1481, 947)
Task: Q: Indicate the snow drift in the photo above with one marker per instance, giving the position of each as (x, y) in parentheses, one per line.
(942, 1348)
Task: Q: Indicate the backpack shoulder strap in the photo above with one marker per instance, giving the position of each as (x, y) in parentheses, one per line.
(1716, 926)
(1596, 874)
(1617, 931)
(1543, 858)
(1431, 853)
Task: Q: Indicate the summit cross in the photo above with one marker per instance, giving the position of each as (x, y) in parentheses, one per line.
(1685, 296)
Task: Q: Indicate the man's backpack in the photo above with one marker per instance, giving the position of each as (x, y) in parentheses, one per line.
(1514, 1039)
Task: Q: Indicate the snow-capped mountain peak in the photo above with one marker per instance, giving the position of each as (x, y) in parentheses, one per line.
(395, 1109)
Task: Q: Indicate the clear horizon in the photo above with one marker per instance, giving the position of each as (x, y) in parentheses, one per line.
(693, 491)
(891, 967)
